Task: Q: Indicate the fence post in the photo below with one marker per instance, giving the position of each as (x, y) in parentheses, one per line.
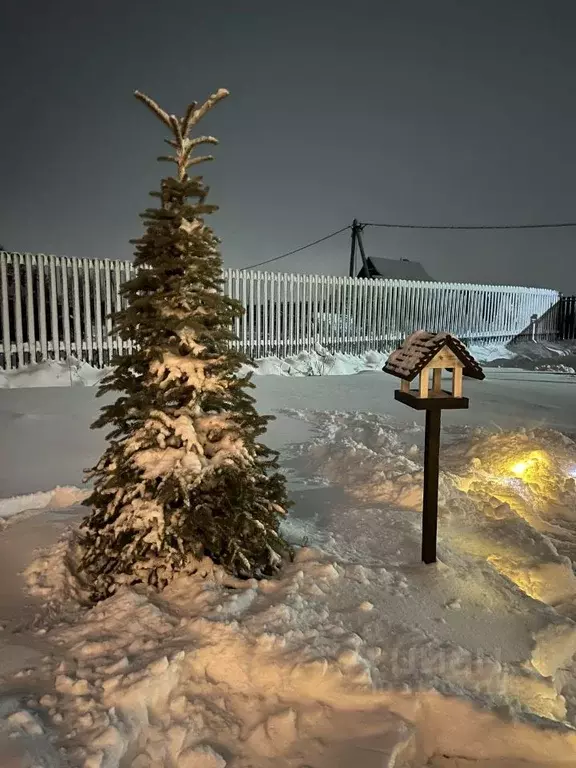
(533, 326)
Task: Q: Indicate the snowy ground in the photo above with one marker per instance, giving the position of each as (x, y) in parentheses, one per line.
(47, 439)
(359, 655)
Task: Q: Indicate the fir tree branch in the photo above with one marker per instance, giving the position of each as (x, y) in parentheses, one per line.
(175, 125)
(198, 114)
(188, 116)
(203, 140)
(200, 159)
(158, 111)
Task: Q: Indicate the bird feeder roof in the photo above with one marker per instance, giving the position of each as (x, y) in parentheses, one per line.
(421, 347)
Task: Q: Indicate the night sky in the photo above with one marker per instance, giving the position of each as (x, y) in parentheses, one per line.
(415, 112)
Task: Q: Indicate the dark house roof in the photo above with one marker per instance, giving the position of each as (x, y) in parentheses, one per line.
(419, 349)
(394, 269)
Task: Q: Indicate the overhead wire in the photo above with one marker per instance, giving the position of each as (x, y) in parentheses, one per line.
(490, 227)
(297, 250)
(476, 227)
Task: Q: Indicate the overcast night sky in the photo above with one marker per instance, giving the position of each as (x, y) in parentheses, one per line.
(415, 112)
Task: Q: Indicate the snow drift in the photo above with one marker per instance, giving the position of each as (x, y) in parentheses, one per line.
(53, 373)
(359, 654)
(319, 362)
(538, 356)
(37, 502)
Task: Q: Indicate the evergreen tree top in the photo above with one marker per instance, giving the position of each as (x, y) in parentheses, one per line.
(181, 127)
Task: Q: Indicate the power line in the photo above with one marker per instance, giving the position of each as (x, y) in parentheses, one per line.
(557, 225)
(563, 224)
(297, 250)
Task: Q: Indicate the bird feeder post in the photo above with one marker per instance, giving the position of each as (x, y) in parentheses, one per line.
(430, 497)
(421, 354)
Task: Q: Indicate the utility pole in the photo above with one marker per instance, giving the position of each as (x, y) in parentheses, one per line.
(357, 230)
(353, 248)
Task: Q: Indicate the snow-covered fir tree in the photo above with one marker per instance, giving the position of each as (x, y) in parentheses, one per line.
(184, 475)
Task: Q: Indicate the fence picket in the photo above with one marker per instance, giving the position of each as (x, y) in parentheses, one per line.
(245, 317)
(108, 310)
(98, 311)
(265, 316)
(16, 263)
(76, 312)
(55, 341)
(117, 304)
(30, 308)
(65, 307)
(566, 318)
(275, 294)
(87, 312)
(42, 307)
(128, 275)
(6, 343)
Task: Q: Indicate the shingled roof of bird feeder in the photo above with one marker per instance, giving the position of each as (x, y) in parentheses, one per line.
(419, 350)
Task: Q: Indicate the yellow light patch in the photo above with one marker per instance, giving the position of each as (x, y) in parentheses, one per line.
(520, 467)
(536, 461)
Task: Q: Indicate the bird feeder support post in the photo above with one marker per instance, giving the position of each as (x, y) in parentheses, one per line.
(431, 471)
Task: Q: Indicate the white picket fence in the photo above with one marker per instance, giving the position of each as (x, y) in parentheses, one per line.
(53, 307)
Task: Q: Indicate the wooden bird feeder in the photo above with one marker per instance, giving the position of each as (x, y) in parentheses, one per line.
(425, 355)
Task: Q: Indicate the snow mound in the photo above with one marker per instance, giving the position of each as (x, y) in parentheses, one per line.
(524, 484)
(24, 739)
(295, 668)
(53, 373)
(358, 643)
(358, 652)
(53, 575)
(318, 362)
(57, 498)
(321, 362)
(507, 533)
(556, 357)
(507, 497)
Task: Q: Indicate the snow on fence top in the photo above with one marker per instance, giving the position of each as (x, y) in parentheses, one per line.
(55, 306)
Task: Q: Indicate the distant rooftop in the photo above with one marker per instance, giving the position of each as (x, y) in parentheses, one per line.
(394, 269)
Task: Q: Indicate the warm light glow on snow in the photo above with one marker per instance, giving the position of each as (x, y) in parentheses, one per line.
(520, 467)
(537, 463)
